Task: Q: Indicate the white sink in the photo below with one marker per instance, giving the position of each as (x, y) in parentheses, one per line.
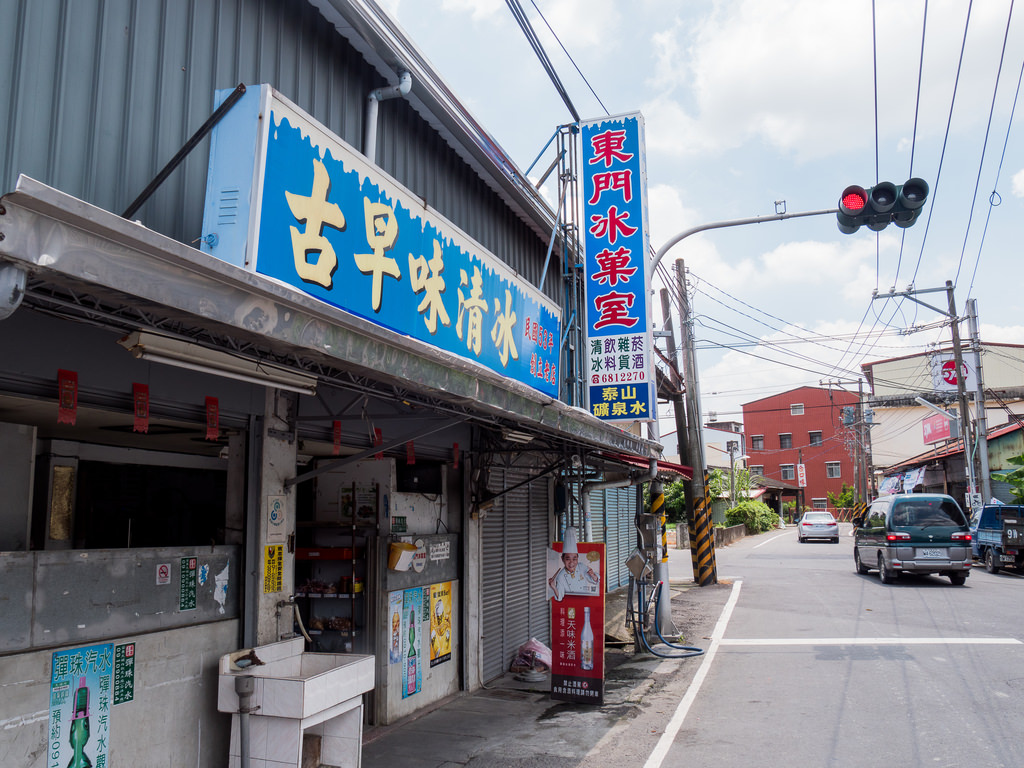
(293, 683)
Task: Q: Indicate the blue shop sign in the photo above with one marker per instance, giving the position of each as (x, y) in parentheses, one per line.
(312, 213)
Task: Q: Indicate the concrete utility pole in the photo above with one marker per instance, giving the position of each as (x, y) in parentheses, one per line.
(979, 401)
(676, 398)
(961, 388)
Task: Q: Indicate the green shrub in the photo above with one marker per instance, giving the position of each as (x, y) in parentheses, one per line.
(756, 515)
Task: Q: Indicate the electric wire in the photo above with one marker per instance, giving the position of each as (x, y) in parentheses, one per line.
(945, 141)
(984, 146)
(531, 36)
(995, 199)
(569, 56)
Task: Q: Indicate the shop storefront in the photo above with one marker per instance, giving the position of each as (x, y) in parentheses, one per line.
(209, 449)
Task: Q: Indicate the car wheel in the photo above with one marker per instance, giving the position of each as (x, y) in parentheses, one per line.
(991, 565)
(886, 576)
(861, 568)
(958, 578)
(835, 540)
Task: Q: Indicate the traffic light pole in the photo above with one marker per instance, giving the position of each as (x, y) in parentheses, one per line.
(731, 223)
(702, 551)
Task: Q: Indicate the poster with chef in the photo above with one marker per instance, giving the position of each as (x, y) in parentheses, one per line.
(576, 591)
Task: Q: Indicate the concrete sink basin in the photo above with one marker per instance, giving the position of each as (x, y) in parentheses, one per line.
(293, 683)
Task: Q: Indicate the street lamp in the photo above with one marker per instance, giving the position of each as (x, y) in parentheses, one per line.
(733, 447)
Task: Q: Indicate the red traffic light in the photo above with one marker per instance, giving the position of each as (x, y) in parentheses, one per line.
(853, 200)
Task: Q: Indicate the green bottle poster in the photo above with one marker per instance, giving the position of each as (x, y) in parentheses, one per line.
(412, 611)
(81, 682)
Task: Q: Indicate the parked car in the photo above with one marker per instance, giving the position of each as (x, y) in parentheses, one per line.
(921, 533)
(817, 525)
(997, 536)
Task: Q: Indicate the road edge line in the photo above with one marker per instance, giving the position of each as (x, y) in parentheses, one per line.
(679, 716)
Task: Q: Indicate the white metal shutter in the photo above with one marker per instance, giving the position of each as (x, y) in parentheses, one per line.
(514, 583)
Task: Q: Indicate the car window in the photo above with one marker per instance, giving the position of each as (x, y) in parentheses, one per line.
(818, 517)
(926, 512)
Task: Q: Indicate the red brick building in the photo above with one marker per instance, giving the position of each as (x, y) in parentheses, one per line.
(802, 426)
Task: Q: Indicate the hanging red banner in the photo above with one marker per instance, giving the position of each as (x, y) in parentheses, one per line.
(410, 453)
(337, 437)
(140, 407)
(212, 418)
(455, 455)
(378, 439)
(576, 589)
(67, 396)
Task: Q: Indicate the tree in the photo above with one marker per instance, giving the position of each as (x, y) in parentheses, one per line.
(845, 498)
(1014, 478)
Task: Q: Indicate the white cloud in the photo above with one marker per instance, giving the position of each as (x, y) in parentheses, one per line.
(1018, 184)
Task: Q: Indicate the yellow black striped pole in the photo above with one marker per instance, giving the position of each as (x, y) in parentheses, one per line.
(658, 510)
(702, 540)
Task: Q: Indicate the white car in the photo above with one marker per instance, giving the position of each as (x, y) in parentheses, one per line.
(817, 524)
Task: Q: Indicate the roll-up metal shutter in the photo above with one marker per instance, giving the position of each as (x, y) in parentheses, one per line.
(514, 583)
(620, 509)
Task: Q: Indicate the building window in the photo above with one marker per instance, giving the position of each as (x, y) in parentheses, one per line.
(786, 440)
(796, 409)
(832, 469)
(788, 471)
(814, 438)
(819, 503)
(757, 443)
(756, 469)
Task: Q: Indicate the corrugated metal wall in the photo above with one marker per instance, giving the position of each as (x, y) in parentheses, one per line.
(98, 95)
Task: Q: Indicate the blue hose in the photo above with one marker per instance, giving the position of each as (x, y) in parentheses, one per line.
(691, 650)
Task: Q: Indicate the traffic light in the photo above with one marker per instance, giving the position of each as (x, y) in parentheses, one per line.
(883, 203)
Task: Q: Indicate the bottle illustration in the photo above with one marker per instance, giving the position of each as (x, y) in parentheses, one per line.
(79, 733)
(410, 682)
(586, 642)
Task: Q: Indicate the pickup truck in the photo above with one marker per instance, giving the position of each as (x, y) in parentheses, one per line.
(997, 536)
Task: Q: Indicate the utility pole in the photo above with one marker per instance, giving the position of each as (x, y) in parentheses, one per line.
(958, 361)
(698, 506)
(979, 401)
(678, 407)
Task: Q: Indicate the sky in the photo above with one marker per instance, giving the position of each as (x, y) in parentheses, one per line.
(754, 107)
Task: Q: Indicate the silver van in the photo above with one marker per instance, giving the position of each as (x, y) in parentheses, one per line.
(913, 533)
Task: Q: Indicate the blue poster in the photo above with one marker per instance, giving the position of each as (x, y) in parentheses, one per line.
(412, 613)
(81, 684)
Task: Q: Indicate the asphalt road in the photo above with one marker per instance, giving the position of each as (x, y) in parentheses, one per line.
(811, 664)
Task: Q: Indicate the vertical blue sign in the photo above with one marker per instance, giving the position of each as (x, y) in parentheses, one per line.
(619, 335)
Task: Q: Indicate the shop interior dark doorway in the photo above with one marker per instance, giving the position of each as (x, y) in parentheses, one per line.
(131, 505)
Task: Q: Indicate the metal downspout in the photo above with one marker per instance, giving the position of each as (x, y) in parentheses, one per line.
(373, 100)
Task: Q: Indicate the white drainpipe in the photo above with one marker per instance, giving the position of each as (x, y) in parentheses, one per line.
(376, 96)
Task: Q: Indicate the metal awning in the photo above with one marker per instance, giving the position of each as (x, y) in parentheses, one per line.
(91, 265)
(664, 467)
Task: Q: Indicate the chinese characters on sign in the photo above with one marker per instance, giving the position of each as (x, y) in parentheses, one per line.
(619, 334)
(328, 223)
(576, 591)
(81, 682)
(187, 584)
(273, 569)
(124, 673)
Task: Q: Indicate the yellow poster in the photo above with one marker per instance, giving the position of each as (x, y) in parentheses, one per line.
(440, 622)
(273, 569)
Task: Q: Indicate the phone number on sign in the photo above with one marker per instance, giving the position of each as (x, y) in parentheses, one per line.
(619, 377)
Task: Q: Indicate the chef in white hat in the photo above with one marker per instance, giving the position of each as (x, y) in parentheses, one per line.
(571, 578)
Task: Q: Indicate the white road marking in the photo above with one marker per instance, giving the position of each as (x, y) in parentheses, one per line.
(672, 729)
(874, 641)
(773, 538)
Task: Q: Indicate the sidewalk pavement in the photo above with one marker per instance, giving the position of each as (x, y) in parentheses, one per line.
(516, 724)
